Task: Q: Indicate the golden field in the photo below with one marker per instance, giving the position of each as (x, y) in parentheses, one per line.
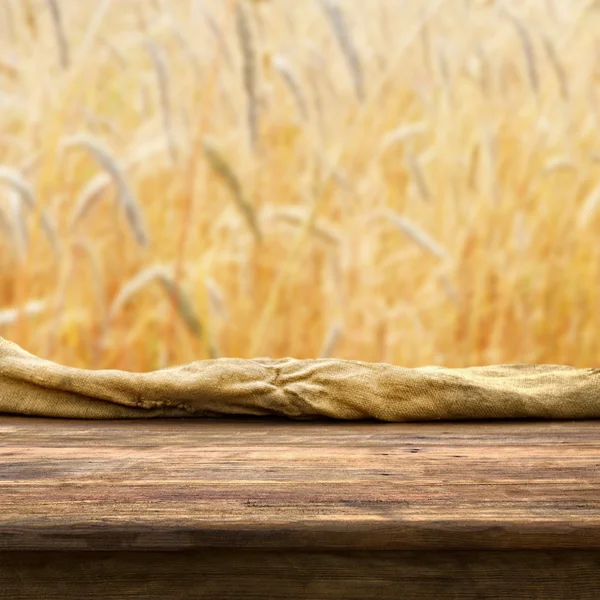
(412, 182)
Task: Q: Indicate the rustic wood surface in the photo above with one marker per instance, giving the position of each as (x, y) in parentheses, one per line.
(301, 575)
(189, 484)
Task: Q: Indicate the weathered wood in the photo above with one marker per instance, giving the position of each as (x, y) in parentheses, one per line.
(267, 508)
(300, 575)
(186, 484)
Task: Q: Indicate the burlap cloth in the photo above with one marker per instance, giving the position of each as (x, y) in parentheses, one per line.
(299, 389)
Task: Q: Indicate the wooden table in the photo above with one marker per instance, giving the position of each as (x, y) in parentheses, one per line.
(264, 508)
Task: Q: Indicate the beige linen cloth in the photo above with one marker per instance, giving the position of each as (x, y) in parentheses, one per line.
(298, 389)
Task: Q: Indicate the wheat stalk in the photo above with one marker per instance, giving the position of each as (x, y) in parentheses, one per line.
(485, 77)
(425, 39)
(190, 53)
(317, 94)
(59, 30)
(285, 70)
(90, 37)
(400, 135)
(557, 66)
(331, 340)
(116, 53)
(86, 248)
(337, 21)
(294, 255)
(528, 51)
(15, 180)
(10, 21)
(418, 176)
(291, 215)
(589, 206)
(8, 228)
(444, 71)
(66, 270)
(216, 31)
(558, 163)
(449, 288)
(217, 306)
(25, 197)
(224, 170)
(99, 122)
(90, 194)
(92, 191)
(417, 235)
(127, 200)
(249, 73)
(216, 297)
(29, 163)
(19, 224)
(160, 66)
(165, 277)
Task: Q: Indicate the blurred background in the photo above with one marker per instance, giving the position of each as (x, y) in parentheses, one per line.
(406, 181)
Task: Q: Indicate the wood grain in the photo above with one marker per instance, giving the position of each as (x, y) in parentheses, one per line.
(163, 485)
(301, 575)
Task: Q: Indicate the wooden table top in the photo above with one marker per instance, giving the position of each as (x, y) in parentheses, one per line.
(268, 483)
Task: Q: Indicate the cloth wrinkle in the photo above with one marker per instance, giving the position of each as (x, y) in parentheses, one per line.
(303, 389)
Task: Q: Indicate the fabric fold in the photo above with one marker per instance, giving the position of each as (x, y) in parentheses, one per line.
(297, 389)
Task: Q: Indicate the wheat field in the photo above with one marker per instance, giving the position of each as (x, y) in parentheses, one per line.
(407, 181)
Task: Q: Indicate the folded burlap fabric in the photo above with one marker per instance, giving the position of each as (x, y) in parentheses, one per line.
(299, 389)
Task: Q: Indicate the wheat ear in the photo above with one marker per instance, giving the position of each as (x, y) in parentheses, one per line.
(249, 73)
(10, 231)
(417, 235)
(92, 191)
(418, 176)
(223, 169)
(558, 67)
(162, 76)
(528, 51)
(26, 197)
(338, 23)
(127, 200)
(59, 30)
(164, 276)
(217, 33)
(291, 215)
(285, 70)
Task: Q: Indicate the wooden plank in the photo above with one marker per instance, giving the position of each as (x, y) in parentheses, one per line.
(301, 575)
(267, 483)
